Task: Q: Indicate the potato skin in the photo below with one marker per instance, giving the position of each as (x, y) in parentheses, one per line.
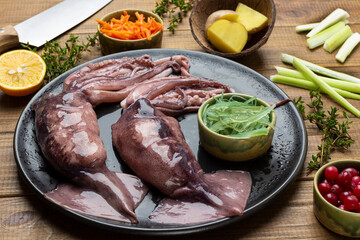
(221, 14)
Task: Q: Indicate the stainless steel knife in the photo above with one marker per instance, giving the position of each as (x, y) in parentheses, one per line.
(49, 24)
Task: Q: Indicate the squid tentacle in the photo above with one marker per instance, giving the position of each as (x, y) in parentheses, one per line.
(168, 105)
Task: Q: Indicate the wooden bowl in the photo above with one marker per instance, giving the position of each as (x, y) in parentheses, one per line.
(203, 8)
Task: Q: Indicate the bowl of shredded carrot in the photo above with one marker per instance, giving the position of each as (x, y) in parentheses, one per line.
(129, 29)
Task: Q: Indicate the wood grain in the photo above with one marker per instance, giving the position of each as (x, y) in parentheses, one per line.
(23, 215)
(8, 38)
(291, 215)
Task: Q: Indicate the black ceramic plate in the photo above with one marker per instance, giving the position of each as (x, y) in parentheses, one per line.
(270, 173)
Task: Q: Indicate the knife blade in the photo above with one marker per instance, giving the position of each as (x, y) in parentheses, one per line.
(50, 23)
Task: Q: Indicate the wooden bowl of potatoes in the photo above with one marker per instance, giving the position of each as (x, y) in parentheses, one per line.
(232, 28)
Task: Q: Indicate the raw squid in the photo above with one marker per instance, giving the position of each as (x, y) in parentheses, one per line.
(128, 79)
(105, 81)
(154, 147)
(175, 95)
(68, 134)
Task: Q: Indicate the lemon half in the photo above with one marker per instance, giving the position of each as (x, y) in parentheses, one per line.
(21, 72)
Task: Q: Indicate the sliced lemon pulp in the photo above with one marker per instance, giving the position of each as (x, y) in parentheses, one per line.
(21, 72)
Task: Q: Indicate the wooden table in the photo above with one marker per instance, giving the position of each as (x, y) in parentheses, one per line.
(23, 216)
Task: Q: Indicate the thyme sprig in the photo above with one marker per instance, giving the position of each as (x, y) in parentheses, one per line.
(175, 10)
(59, 59)
(335, 134)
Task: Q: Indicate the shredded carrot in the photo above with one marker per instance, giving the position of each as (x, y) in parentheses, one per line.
(127, 30)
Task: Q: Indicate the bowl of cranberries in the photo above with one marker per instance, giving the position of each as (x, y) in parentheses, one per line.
(337, 197)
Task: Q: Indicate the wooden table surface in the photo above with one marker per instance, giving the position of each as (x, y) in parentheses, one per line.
(24, 216)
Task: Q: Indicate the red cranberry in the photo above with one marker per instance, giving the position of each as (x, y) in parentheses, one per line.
(355, 181)
(331, 173)
(328, 181)
(343, 195)
(344, 180)
(352, 171)
(336, 189)
(324, 188)
(356, 191)
(351, 203)
(331, 198)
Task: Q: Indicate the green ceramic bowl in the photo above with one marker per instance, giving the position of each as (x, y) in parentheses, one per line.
(234, 148)
(111, 45)
(337, 220)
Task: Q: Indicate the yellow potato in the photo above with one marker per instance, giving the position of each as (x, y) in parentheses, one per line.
(252, 20)
(227, 36)
(221, 14)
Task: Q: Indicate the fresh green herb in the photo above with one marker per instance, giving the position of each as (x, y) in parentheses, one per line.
(60, 59)
(299, 103)
(175, 10)
(335, 135)
(238, 117)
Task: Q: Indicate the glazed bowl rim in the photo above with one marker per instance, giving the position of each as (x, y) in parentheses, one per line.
(201, 122)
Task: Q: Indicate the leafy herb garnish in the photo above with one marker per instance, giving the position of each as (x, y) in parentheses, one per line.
(334, 134)
(176, 10)
(237, 117)
(60, 59)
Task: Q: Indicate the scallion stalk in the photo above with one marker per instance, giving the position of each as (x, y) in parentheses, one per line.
(347, 47)
(337, 39)
(310, 75)
(347, 86)
(305, 27)
(319, 38)
(306, 84)
(286, 58)
(337, 15)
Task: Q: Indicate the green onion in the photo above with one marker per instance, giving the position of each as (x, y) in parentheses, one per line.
(337, 39)
(310, 26)
(238, 118)
(324, 86)
(306, 84)
(286, 58)
(334, 17)
(319, 38)
(347, 47)
(347, 86)
(305, 27)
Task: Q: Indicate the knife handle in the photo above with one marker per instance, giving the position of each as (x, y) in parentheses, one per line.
(8, 38)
